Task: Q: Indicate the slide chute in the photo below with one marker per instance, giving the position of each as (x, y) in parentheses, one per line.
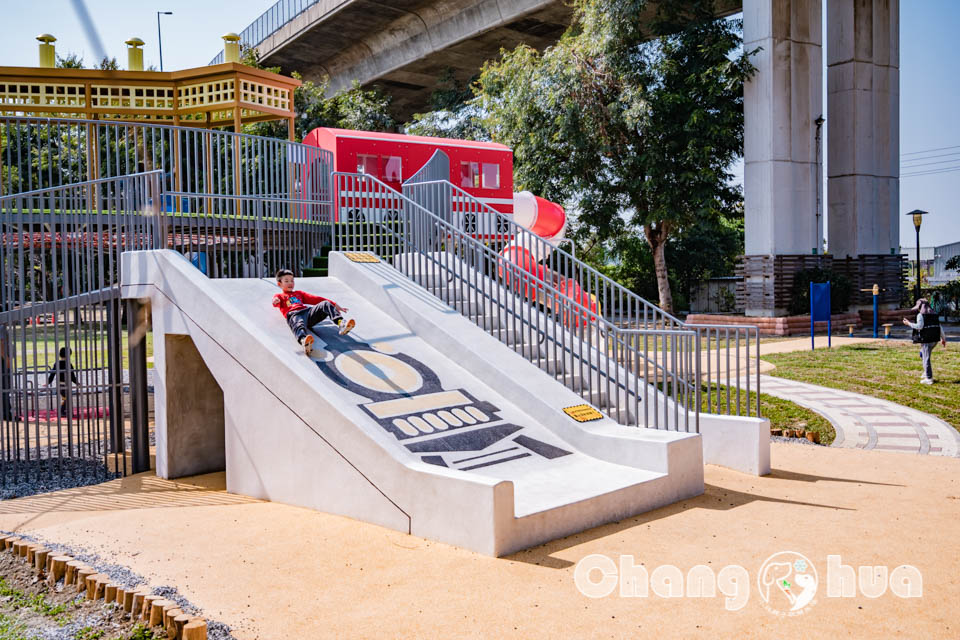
(548, 221)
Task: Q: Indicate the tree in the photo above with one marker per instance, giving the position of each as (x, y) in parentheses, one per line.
(636, 124)
(108, 64)
(700, 251)
(353, 108)
(70, 61)
(953, 263)
(453, 113)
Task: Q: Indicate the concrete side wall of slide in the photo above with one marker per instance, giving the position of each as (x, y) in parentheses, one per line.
(194, 410)
(297, 431)
(515, 378)
(741, 443)
(275, 434)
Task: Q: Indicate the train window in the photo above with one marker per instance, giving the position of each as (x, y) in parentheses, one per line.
(391, 168)
(367, 165)
(470, 174)
(491, 176)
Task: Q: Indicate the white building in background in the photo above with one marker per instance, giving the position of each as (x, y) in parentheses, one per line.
(941, 254)
(933, 262)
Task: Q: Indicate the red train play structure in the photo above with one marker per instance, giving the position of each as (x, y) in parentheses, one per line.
(483, 170)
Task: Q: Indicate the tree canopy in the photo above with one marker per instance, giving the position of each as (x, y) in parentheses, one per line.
(634, 123)
(454, 113)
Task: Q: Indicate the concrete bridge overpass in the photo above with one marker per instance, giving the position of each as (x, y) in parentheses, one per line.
(407, 46)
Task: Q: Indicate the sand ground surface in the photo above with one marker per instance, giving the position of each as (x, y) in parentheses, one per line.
(276, 571)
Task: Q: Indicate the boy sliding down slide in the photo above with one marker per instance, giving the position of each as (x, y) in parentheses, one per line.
(300, 317)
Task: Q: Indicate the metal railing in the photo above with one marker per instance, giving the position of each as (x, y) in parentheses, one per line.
(268, 234)
(269, 21)
(723, 346)
(65, 399)
(642, 376)
(203, 175)
(37, 153)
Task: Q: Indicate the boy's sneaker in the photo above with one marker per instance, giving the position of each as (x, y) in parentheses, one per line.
(926, 381)
(308, 344)
(347, 327)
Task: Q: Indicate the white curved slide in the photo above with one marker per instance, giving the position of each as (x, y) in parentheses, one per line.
(412, 421)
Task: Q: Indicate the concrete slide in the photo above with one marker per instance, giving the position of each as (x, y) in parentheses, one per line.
(414, 421)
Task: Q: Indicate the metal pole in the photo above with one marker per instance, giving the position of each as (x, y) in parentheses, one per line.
(159, 37)
(917, 296)
(115, 377)
(137, 345)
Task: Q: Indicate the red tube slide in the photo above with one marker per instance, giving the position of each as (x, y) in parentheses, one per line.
(547, 220)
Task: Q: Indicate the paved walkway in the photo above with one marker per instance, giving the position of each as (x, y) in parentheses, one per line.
(863, 422)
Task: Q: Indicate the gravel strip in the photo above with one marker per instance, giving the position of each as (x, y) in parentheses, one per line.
(793, 441)
(50, 474)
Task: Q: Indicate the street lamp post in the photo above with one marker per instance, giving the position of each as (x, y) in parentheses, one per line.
(159, 37)
(917, 216)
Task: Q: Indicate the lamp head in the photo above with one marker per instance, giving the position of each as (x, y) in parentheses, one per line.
(917, 216)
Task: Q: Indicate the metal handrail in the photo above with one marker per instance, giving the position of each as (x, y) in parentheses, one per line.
(36, 192)
(259, 198)
(420, 227)
(270, 21)
(602, 282)
(516, 229)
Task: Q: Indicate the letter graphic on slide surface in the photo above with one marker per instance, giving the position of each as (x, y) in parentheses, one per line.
(446, 427)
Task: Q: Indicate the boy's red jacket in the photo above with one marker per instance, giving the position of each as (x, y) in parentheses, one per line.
(295, 301)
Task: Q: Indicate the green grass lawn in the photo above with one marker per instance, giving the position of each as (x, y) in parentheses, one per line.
(782, 414)
(887, 370)
(88, 349)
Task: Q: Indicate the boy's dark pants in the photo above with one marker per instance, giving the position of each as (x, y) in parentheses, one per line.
(301, 321)
(63, 401)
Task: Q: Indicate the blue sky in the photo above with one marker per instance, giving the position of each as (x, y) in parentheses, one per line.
(929, 80)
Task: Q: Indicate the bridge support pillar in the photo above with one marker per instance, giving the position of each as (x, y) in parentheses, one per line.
(863, 150)
(782, 102)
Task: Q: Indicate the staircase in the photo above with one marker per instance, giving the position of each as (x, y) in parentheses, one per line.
(320, 265)
(619, 352)
(569, 355)
(385, 235)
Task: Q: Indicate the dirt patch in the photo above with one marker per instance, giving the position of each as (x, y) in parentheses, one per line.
(30, 608)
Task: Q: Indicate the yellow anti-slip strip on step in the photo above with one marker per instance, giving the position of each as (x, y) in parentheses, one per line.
(361, 256)
(583, 413)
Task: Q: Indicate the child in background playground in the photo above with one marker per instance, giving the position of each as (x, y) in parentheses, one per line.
(300, 317)
(60, 371)
(926, 332)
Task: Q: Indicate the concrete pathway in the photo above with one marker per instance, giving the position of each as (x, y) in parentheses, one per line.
(863, 422)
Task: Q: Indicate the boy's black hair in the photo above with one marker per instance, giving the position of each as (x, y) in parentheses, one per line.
(64, 353)
(283, 272)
